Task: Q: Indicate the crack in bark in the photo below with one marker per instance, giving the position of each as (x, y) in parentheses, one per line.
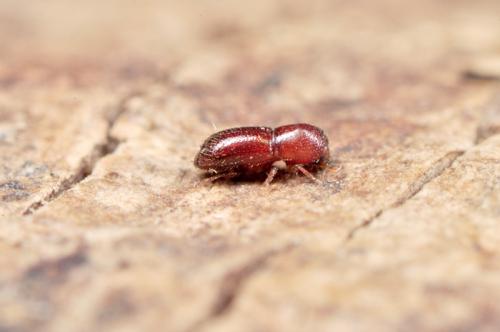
(233, 282)
(88, 162)
(486, 131)
(487, 127)
(430, 174)
(490, 122)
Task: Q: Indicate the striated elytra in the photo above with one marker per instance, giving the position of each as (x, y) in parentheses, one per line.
(254, 150)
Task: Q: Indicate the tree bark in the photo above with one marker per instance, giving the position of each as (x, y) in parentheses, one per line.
(106, 225)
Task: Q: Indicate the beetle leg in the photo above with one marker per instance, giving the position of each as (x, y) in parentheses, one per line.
(334, 166)
(220, 176)
(308, 174)
(270, 176)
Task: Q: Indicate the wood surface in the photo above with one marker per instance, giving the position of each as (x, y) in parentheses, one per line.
(105, 226)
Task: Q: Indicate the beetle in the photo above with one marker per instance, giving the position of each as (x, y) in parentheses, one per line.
(255, 150)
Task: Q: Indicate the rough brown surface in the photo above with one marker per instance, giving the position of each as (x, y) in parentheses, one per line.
(105, 226)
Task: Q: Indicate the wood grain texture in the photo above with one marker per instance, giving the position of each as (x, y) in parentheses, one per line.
(105, 226)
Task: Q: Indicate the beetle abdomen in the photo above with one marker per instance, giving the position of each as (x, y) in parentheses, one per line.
(243, 148)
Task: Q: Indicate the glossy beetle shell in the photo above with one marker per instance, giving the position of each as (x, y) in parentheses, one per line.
(244, 148)
(256, 149)
(300, 144)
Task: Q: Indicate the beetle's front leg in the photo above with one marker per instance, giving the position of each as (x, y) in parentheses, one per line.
(226, 176)
(307, 174)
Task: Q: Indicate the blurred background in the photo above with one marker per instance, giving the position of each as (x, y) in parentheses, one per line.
(337, 51)
(103, 106)
(170, 31)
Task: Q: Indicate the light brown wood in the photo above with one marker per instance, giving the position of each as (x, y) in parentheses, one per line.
(103, 223)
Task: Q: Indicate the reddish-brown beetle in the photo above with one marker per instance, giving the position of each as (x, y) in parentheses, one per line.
(253, 150)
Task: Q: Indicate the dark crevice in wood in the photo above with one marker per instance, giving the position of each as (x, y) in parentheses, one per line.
(433, 172)
(233, 282)
(487, 128)
(485, 132)
(88, 163)
(54, 271)
(490, 122)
